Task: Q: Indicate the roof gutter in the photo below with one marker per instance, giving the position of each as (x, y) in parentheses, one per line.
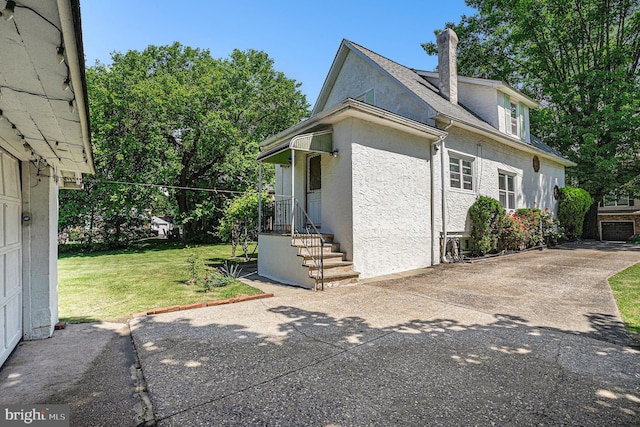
(69, 11)
(510, 141)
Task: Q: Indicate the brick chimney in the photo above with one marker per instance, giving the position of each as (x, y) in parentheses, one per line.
(447, 64)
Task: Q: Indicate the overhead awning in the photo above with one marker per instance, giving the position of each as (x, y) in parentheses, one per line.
(314, 142)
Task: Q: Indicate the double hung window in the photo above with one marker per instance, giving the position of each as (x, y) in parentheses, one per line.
(506, 190)
(460, 173)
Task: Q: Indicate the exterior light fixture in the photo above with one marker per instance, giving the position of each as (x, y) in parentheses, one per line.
(72, 107)
(1, 116)
(334, 153)
(66, 83)
(8, 11)
(60, 54)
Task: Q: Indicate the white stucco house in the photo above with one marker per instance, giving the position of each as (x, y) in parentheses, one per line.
(44, 147)
(389, 163)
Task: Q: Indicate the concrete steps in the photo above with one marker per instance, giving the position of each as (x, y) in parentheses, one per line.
(337, 271)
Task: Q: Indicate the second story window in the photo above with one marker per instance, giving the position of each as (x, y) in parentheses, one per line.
(366, 97)
(514, 118)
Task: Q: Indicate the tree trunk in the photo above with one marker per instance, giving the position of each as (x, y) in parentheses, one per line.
(183, 206)
(590, 228)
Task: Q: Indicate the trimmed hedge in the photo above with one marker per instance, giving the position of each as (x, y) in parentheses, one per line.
(493, 230)
(486, 216)
(573, 205)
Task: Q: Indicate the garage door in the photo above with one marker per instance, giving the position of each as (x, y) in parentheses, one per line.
(618, 230)
(10, 256)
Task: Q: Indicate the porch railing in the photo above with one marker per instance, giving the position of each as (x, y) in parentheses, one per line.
(287, 216)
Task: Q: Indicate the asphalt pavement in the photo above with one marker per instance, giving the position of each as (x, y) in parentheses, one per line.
(529, 339)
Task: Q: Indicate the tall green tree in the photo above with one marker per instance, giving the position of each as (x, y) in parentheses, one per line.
(581, 59)
(176, 116)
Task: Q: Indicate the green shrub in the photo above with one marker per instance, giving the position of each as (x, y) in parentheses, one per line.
(486, 216)
(239, 224)
(512, 235)
(573, 206)
(195, 265)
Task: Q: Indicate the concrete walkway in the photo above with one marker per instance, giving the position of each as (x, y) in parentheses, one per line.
(89, 366)
(530, 339)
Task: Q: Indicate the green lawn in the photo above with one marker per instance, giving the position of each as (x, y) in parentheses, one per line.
(112, 285)
(626, 289)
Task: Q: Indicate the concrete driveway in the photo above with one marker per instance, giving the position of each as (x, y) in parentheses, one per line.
(530, 339)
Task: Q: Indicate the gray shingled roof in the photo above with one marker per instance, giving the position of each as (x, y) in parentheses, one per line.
(430, 95)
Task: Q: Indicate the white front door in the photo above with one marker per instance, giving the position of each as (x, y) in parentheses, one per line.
(10, 256)
(314, 188)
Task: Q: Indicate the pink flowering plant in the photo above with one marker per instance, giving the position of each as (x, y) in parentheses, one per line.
(515, 231)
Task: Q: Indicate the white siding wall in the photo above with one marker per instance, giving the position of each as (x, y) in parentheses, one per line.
(357, 77)
(481, 100)
(391, 206)
(337, 203)
(530, 186)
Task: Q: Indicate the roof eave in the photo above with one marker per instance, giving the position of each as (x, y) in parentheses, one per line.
(512, 142)
(72, 33)
(353, 108)
(497, 84)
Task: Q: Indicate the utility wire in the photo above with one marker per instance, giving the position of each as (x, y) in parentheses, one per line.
(175, 187)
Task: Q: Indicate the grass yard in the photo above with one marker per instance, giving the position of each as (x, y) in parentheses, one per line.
(626, 289)
(112, 285)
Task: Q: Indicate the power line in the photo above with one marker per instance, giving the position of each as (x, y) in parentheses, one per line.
(175, 187)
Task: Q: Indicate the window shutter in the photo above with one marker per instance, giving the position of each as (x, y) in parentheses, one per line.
(507, 113)
(630, 202)
(521, 124)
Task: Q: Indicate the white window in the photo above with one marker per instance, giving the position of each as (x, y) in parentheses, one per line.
(515, 118)
(460, 173)
(366, 97)
(612, 200)
(506, 190)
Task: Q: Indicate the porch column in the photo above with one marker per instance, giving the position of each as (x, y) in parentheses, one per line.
(260, 197)
(293, 192)
(39, 251)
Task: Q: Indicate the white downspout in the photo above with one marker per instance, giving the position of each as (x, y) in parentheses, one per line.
(434, 147)
(444, 195)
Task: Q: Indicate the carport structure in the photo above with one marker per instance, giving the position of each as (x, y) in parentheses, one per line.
(44, 146)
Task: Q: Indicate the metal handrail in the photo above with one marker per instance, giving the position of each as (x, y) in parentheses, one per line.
(287, 216)
(309, 225)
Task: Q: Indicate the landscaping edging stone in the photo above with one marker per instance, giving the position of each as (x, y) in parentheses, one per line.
(200, 305)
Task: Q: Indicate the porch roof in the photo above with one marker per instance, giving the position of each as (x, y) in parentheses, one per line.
(277, 148)
(313, 142)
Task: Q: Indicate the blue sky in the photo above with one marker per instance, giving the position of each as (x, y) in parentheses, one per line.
(302, 37)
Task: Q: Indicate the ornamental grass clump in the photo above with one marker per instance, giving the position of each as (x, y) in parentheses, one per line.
(222, 276)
